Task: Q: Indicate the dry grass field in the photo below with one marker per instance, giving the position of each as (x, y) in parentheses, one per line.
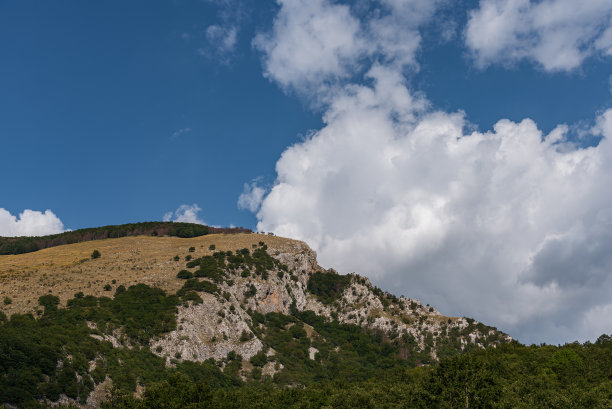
(66, 270)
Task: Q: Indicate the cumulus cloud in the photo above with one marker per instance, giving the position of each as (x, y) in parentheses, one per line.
(29, 223)
(556, 34)
(509, 226)
(315, 45)
(185, 213)
(312, 42)
(251, 196)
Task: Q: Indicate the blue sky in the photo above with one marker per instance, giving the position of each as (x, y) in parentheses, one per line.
(391, 135)
(92, 95)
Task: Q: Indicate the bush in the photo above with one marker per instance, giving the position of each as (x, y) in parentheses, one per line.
(212, 247)
(7, 301)
(95, 254)
(107, 287)
(188, 257)
(259, 359)
(251, 291)
(194, 284)
(191, 249)
(193, 296)
(245, 336)
(176, 258)
(328, 286)
(256, 373)
(184, 274)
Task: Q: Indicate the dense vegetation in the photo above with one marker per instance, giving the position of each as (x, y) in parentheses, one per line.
(510, 376)
(221, 264)
(41, 358)
(19, 245)
(328, 286)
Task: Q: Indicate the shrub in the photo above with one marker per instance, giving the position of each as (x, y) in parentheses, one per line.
(184, 274)
(196, 285)
(327, 286)
(212, 247)
(107, 287)
(259, 359)
(245, 336)
(193, 263)
(188, 257)
(193, 296)
(250, 292)
(176, 258)
(50, 302)
(191, 249)
(7, 301)
(95, 254)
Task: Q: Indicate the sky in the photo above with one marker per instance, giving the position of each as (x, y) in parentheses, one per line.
(453, 151)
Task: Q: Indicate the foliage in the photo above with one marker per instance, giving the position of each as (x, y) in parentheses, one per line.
(19, 245)
(95, 254)
(328, 286)
(184, 274)
(511, 376)
(196, 285)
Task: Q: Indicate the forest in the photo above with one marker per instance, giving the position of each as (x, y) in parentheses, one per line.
(28, 244)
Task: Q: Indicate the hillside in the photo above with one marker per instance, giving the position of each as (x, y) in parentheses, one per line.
(248, 309)
(66, 270)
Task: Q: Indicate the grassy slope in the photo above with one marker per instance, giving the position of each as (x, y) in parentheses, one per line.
(68, 269)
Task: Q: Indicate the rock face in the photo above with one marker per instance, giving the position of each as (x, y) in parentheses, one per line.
(222, 322)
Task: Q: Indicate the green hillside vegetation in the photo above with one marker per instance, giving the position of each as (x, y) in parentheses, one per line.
(19, 245)
(43, 357)
(510, 376)
(319, 361)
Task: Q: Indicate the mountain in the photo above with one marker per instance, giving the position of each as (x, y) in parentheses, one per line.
(111, 318)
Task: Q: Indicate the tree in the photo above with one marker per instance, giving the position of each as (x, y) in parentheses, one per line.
(95, 254)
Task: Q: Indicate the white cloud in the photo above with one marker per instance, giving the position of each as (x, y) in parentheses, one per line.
(316, 45)
(312, 42)
(509, 226)
(556, 34)
(29, 223)
(185, 213)
(251, 196)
